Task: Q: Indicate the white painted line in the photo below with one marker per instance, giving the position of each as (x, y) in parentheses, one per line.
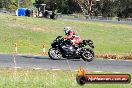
(17, 67)
(45, 69)
(116, 72)
(76, 70)
(37, 68)
(97, 71)
(127, 60)
(119, 60)
(111, 59)
(27, 55)
(55, 69)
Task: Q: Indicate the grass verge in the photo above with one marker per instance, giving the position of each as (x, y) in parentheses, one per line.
(30, 33)
(30, 78)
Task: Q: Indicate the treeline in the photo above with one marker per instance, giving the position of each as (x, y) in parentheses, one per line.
(111, 8)
(105, 8)
(62, 6)
(9, 4)
(13, 4)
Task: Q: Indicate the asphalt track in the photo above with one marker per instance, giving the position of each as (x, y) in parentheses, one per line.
(43, 62)
(103, 21)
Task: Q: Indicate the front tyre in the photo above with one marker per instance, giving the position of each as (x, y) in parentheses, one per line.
(55, 54)
(88, 55)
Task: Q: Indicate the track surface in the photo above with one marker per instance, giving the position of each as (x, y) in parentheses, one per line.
(103, 21)
(97, 65)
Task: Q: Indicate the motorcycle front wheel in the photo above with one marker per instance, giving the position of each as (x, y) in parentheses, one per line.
(55, 54)
(88, 55)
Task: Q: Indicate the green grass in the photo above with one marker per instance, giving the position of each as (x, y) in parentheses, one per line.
(28, 78)
(29, 33)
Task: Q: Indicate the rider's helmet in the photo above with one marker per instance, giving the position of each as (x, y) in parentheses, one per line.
(67, 30)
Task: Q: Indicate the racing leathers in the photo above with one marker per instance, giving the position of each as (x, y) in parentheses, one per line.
(73, 38)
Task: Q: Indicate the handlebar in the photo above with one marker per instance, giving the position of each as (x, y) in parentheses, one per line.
(58, 37)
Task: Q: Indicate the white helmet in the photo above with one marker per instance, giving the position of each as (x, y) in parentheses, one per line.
(67, 29)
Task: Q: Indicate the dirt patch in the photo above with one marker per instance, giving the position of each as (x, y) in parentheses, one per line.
(115, 26)
(40, 29)
(115, 56)
(130, 27)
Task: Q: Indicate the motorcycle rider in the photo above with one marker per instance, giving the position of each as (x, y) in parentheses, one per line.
(70, 35)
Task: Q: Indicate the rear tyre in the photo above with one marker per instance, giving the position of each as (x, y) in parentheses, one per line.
(88, 55)
(55, 54)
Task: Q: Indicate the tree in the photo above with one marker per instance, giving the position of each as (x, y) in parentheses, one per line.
(107, 8)
(62, 6)
(9, 4)
(71, 6)
(124, 8)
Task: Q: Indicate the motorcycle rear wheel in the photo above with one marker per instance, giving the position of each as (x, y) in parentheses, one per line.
(55, 54)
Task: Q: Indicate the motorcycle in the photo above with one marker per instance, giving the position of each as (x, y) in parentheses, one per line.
(61, 48)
